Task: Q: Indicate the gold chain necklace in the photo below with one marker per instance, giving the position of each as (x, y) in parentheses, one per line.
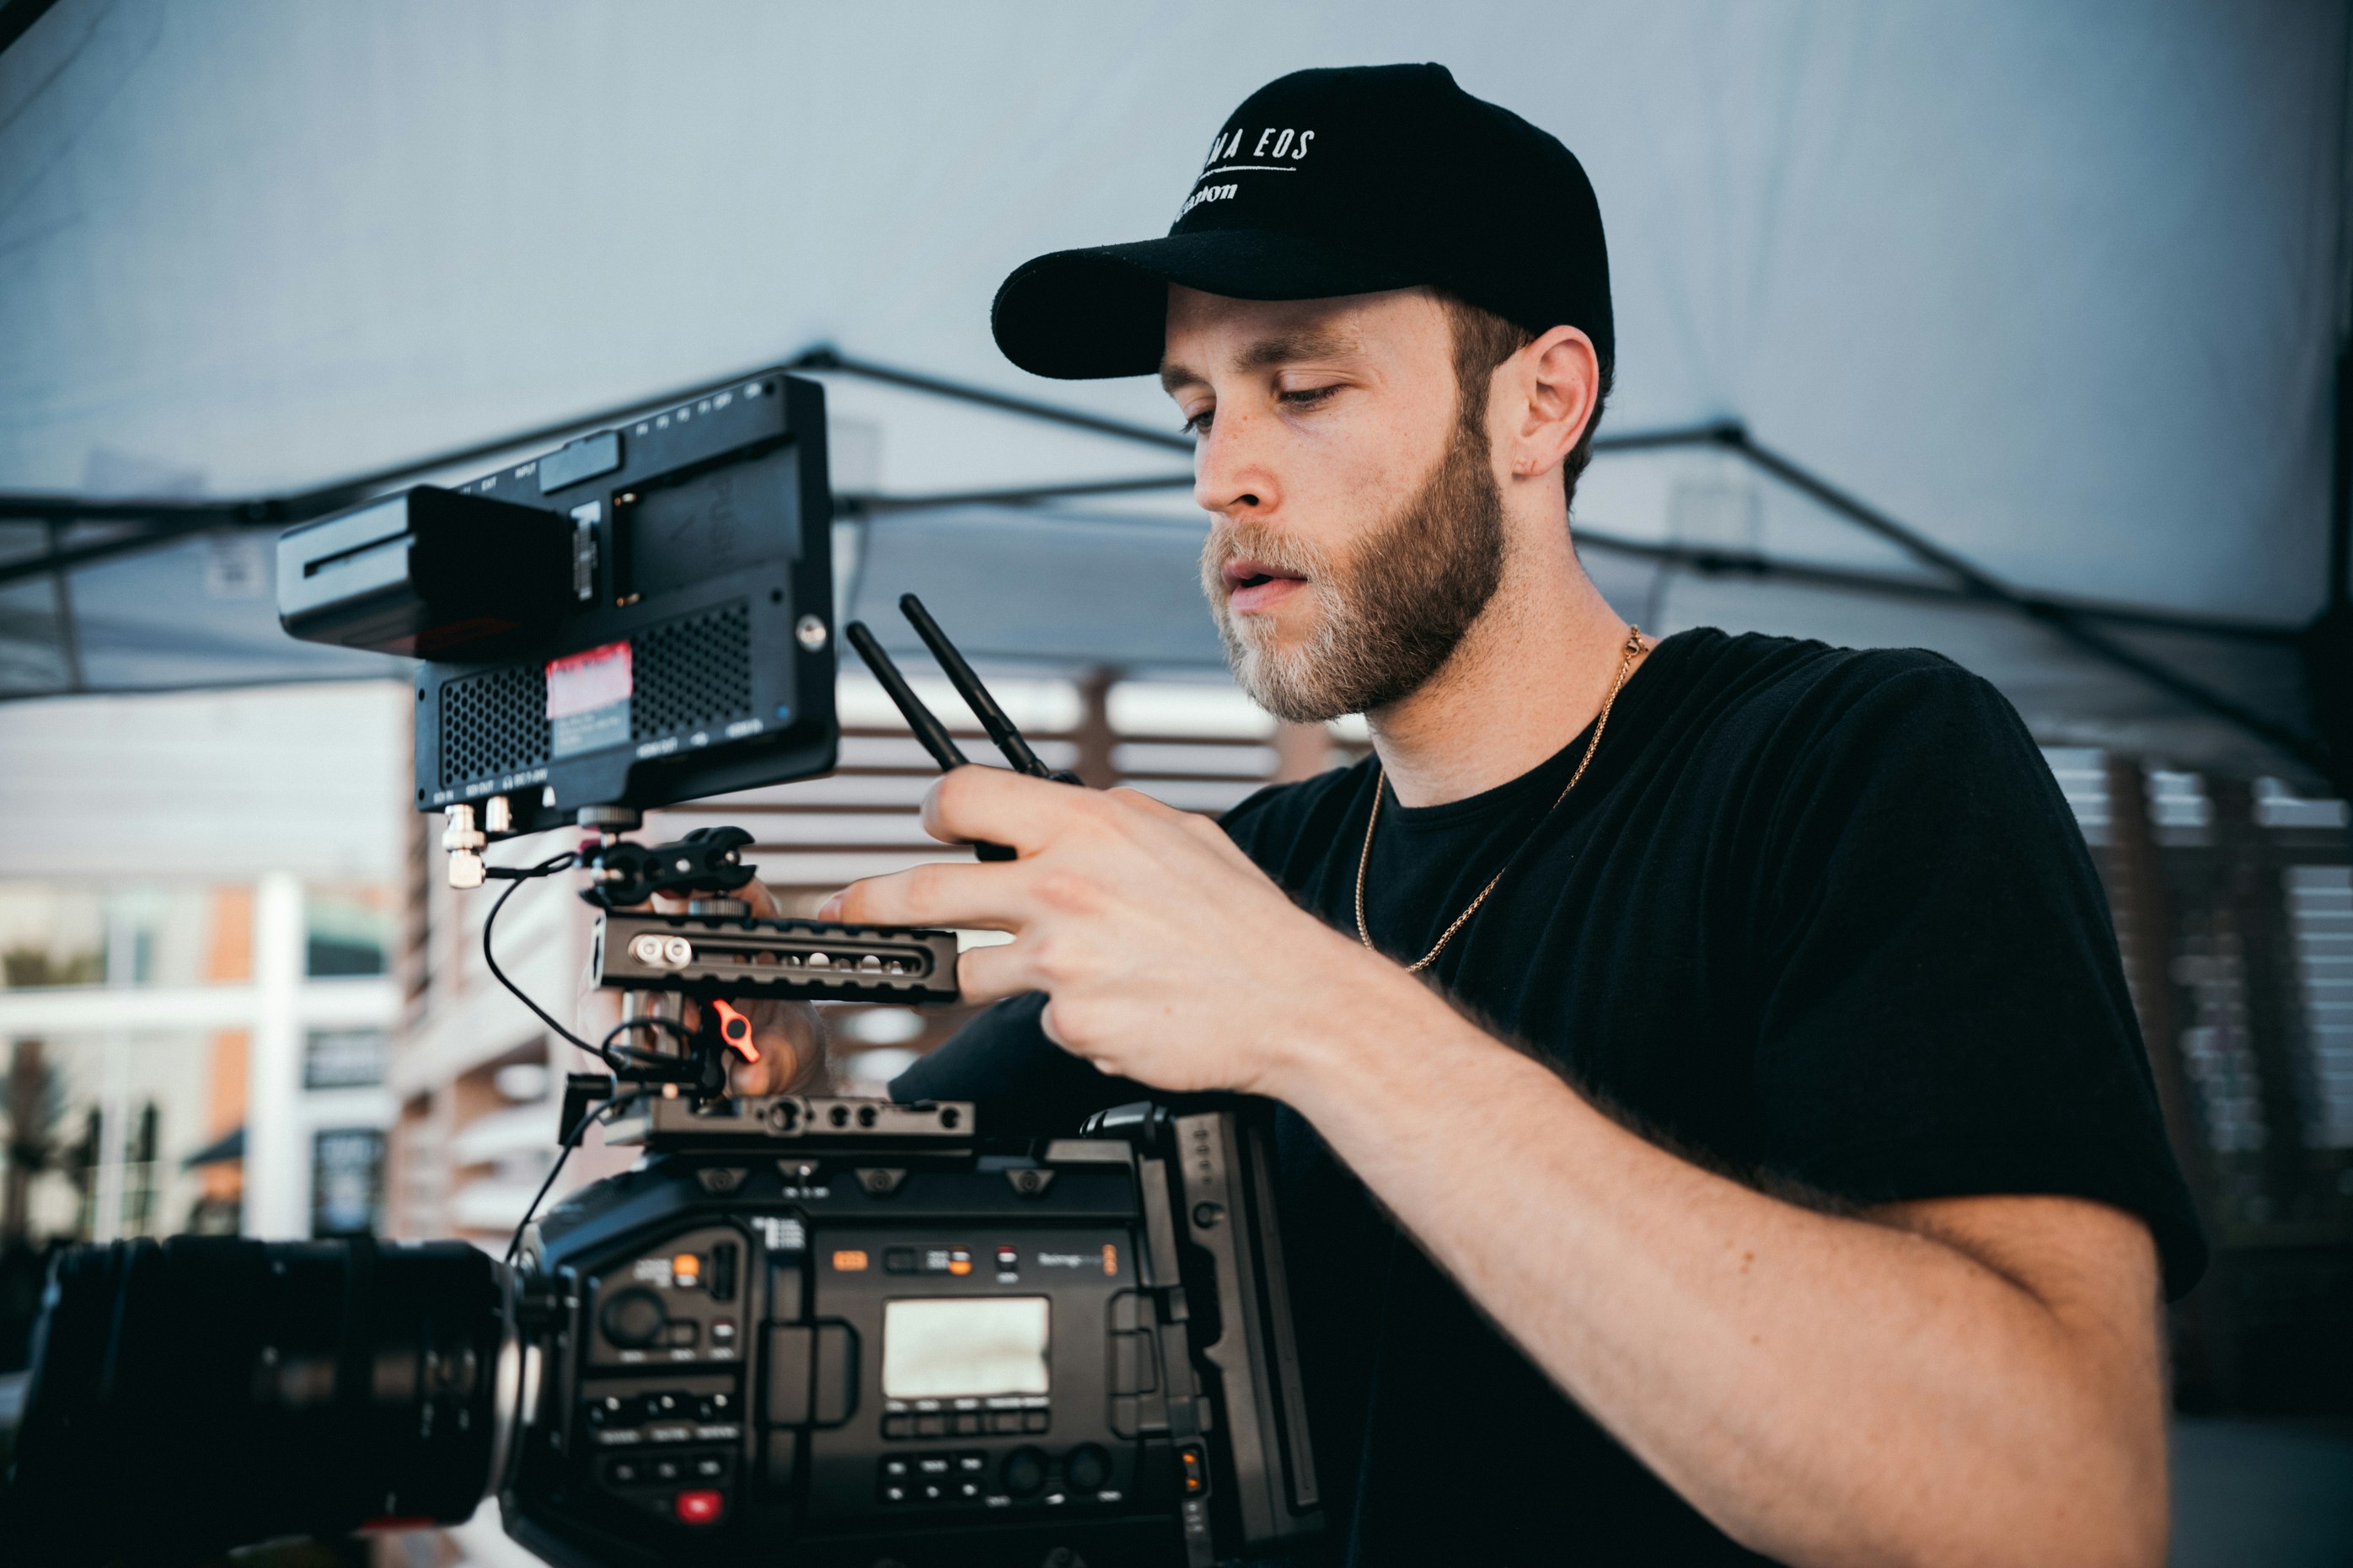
(1632, 651)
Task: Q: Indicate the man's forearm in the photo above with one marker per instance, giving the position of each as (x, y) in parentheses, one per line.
(1826, 1389)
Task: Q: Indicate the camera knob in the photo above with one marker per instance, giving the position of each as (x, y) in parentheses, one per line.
(1025, 1472)
(633, 1319)
(1087, 1468)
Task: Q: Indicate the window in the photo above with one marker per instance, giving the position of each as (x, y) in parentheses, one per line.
(62, 934)
(346, 1181)
(348, 930)
(344, 1058)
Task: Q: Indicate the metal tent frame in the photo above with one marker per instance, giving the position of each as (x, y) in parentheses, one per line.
(2323, 745)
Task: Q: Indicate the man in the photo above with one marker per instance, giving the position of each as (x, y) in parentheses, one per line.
(1712, 1121)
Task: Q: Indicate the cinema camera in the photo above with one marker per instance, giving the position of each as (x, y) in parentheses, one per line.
(801, 1330)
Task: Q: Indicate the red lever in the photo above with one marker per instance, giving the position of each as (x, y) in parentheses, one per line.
(736, 1030)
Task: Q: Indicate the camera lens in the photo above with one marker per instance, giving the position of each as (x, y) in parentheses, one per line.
(207, 1391)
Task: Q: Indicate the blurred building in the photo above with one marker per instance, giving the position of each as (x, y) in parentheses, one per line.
(199, 900)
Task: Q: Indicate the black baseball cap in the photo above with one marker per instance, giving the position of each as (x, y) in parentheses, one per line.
(1326, 183)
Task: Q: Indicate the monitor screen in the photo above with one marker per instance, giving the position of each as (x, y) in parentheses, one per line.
(964, 1346)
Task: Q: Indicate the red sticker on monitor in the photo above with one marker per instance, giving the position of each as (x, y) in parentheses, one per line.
(588, 701)
(583, 682)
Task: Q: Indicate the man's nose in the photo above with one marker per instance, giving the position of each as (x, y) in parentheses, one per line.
(1232, 475)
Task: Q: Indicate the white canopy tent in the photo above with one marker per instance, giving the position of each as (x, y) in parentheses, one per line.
(2056, 291)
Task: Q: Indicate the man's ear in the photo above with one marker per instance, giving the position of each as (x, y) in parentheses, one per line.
(1550, 388)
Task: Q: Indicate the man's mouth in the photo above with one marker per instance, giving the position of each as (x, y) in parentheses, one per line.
(1254, 586)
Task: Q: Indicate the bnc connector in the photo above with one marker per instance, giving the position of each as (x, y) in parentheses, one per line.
(464, 841)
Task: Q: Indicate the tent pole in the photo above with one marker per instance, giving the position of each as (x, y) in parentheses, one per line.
(825, 357)
(2063, 620)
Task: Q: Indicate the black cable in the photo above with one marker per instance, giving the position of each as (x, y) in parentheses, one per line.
(570, 1142)
(516, 877)
(685, 1037)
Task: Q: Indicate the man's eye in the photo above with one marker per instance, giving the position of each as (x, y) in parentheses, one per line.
(1199, 424)
(1307, 396)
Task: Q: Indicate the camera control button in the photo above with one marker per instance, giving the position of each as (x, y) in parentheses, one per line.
(1033, 1421)
(1025, 1472)
(1087, 1468)
(633, 1319)
(699, 1506)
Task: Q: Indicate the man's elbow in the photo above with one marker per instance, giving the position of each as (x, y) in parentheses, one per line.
(2101, 1505)
(2125, 1515)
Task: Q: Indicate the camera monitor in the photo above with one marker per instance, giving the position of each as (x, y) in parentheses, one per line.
(640, 617)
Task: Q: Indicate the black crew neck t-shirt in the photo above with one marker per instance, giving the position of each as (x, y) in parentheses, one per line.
(1816, 918)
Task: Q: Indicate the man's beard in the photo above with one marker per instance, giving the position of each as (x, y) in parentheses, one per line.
(1390, 615)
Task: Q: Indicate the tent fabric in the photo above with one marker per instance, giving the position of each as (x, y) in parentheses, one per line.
(2061, 285)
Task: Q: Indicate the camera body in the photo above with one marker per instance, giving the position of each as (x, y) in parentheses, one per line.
(831, 1331)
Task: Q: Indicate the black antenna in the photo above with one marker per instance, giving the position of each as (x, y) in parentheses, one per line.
(920, 719)
(992, 718)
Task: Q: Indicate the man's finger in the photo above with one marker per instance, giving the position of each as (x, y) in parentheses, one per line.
(995, 805)
(992, 974)
(779, 1064)
(755, 894)
(990, 896)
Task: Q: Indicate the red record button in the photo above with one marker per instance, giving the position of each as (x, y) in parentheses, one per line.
(700, 1507)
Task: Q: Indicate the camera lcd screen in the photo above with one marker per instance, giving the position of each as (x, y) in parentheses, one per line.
(961, 1347)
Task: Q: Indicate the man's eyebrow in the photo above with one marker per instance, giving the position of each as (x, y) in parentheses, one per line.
(1287, 348)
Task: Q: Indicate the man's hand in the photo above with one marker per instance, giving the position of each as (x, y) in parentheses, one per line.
(789, 1034)
(1168, 956)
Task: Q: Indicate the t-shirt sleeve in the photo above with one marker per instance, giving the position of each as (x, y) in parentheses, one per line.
(1943, 1010)
(1022, 1085)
